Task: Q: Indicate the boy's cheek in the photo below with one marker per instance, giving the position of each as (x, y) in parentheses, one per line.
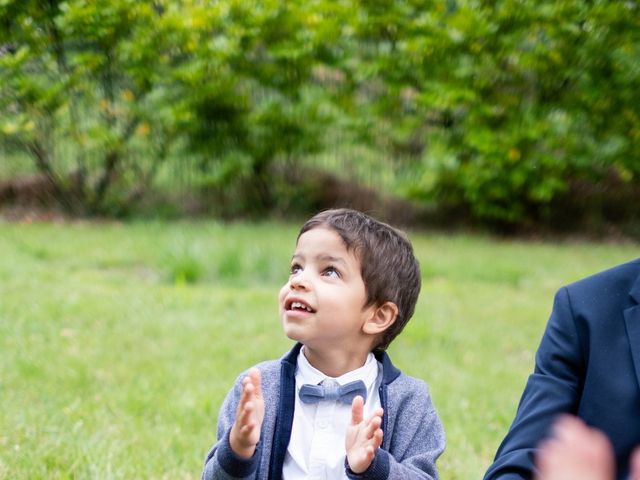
(283, 293)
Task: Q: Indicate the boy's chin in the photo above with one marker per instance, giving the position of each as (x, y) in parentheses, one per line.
(291, 335)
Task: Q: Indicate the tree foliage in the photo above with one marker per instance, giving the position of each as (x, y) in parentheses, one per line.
(100, 92)
(550, 99)
(83, 92)
(502, 104)
(495, 106)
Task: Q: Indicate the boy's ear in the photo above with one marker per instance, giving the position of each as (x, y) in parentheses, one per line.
(383, 317)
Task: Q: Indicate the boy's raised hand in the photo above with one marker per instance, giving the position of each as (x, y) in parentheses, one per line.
(363, 437)
(245, 432)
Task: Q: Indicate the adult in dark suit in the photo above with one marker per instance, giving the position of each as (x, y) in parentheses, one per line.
(588, 365)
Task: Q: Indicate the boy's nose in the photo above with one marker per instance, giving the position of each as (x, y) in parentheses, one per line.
(299, 281)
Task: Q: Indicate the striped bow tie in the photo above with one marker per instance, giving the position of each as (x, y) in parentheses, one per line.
(331, 390)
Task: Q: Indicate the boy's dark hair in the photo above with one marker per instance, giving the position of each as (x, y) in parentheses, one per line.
(389, 268)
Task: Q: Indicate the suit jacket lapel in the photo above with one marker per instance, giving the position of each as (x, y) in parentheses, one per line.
(632, 321)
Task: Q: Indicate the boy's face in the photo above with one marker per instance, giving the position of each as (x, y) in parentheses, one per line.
(322, 304)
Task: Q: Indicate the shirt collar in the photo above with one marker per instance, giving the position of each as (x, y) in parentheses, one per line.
(307, 373)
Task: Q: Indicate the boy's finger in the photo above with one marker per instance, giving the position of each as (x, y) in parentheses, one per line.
(243, 415)
(373, 425)
(254, 375)
(377, 417)
(377, 437)
(245, 395)
(257, 381)
(247, 392)
(357, 410)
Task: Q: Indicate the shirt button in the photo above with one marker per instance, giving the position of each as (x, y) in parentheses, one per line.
(323, 424)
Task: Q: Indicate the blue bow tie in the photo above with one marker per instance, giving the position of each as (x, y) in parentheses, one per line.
(332, 390)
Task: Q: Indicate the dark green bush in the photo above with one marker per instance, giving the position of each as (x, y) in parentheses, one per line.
(494, 109)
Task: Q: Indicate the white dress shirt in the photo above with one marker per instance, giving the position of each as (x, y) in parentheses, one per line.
(316, 449)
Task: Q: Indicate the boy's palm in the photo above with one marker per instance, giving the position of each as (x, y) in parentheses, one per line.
(363, 437)
(245, 433)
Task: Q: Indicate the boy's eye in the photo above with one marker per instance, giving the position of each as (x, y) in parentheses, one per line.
(331, 272)
(295, 268)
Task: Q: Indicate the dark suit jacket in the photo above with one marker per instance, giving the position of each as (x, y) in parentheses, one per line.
(588, 364)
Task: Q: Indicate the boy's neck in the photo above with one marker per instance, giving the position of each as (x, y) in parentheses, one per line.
(335, 363)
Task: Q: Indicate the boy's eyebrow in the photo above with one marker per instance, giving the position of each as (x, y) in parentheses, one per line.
(323, 257)
(332, 259)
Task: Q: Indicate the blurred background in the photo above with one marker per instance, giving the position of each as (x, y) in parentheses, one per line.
(512, 115)
(158, 157)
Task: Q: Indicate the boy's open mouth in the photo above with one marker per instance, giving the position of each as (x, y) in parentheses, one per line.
(299, 306)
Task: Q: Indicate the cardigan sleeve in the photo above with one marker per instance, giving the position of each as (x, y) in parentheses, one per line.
(222, 463)
(553, 388)
(414, 438)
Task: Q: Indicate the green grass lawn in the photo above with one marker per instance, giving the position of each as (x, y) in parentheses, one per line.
(119, 341)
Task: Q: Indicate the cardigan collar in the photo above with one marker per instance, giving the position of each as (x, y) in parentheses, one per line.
(389, 371)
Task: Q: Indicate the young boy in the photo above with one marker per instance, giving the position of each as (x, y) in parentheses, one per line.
(335, 406)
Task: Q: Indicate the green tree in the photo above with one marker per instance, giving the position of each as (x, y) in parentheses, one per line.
(101, 93)
(529, 97)
(253, 100)
(85, 92)
(497, 106)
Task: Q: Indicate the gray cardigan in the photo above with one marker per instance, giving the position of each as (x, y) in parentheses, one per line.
(413, 434)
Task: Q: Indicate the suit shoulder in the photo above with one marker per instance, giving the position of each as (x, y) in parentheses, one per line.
(624, 274)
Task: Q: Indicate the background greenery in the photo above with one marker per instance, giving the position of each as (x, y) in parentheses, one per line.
(119, 341)
(511, 113)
